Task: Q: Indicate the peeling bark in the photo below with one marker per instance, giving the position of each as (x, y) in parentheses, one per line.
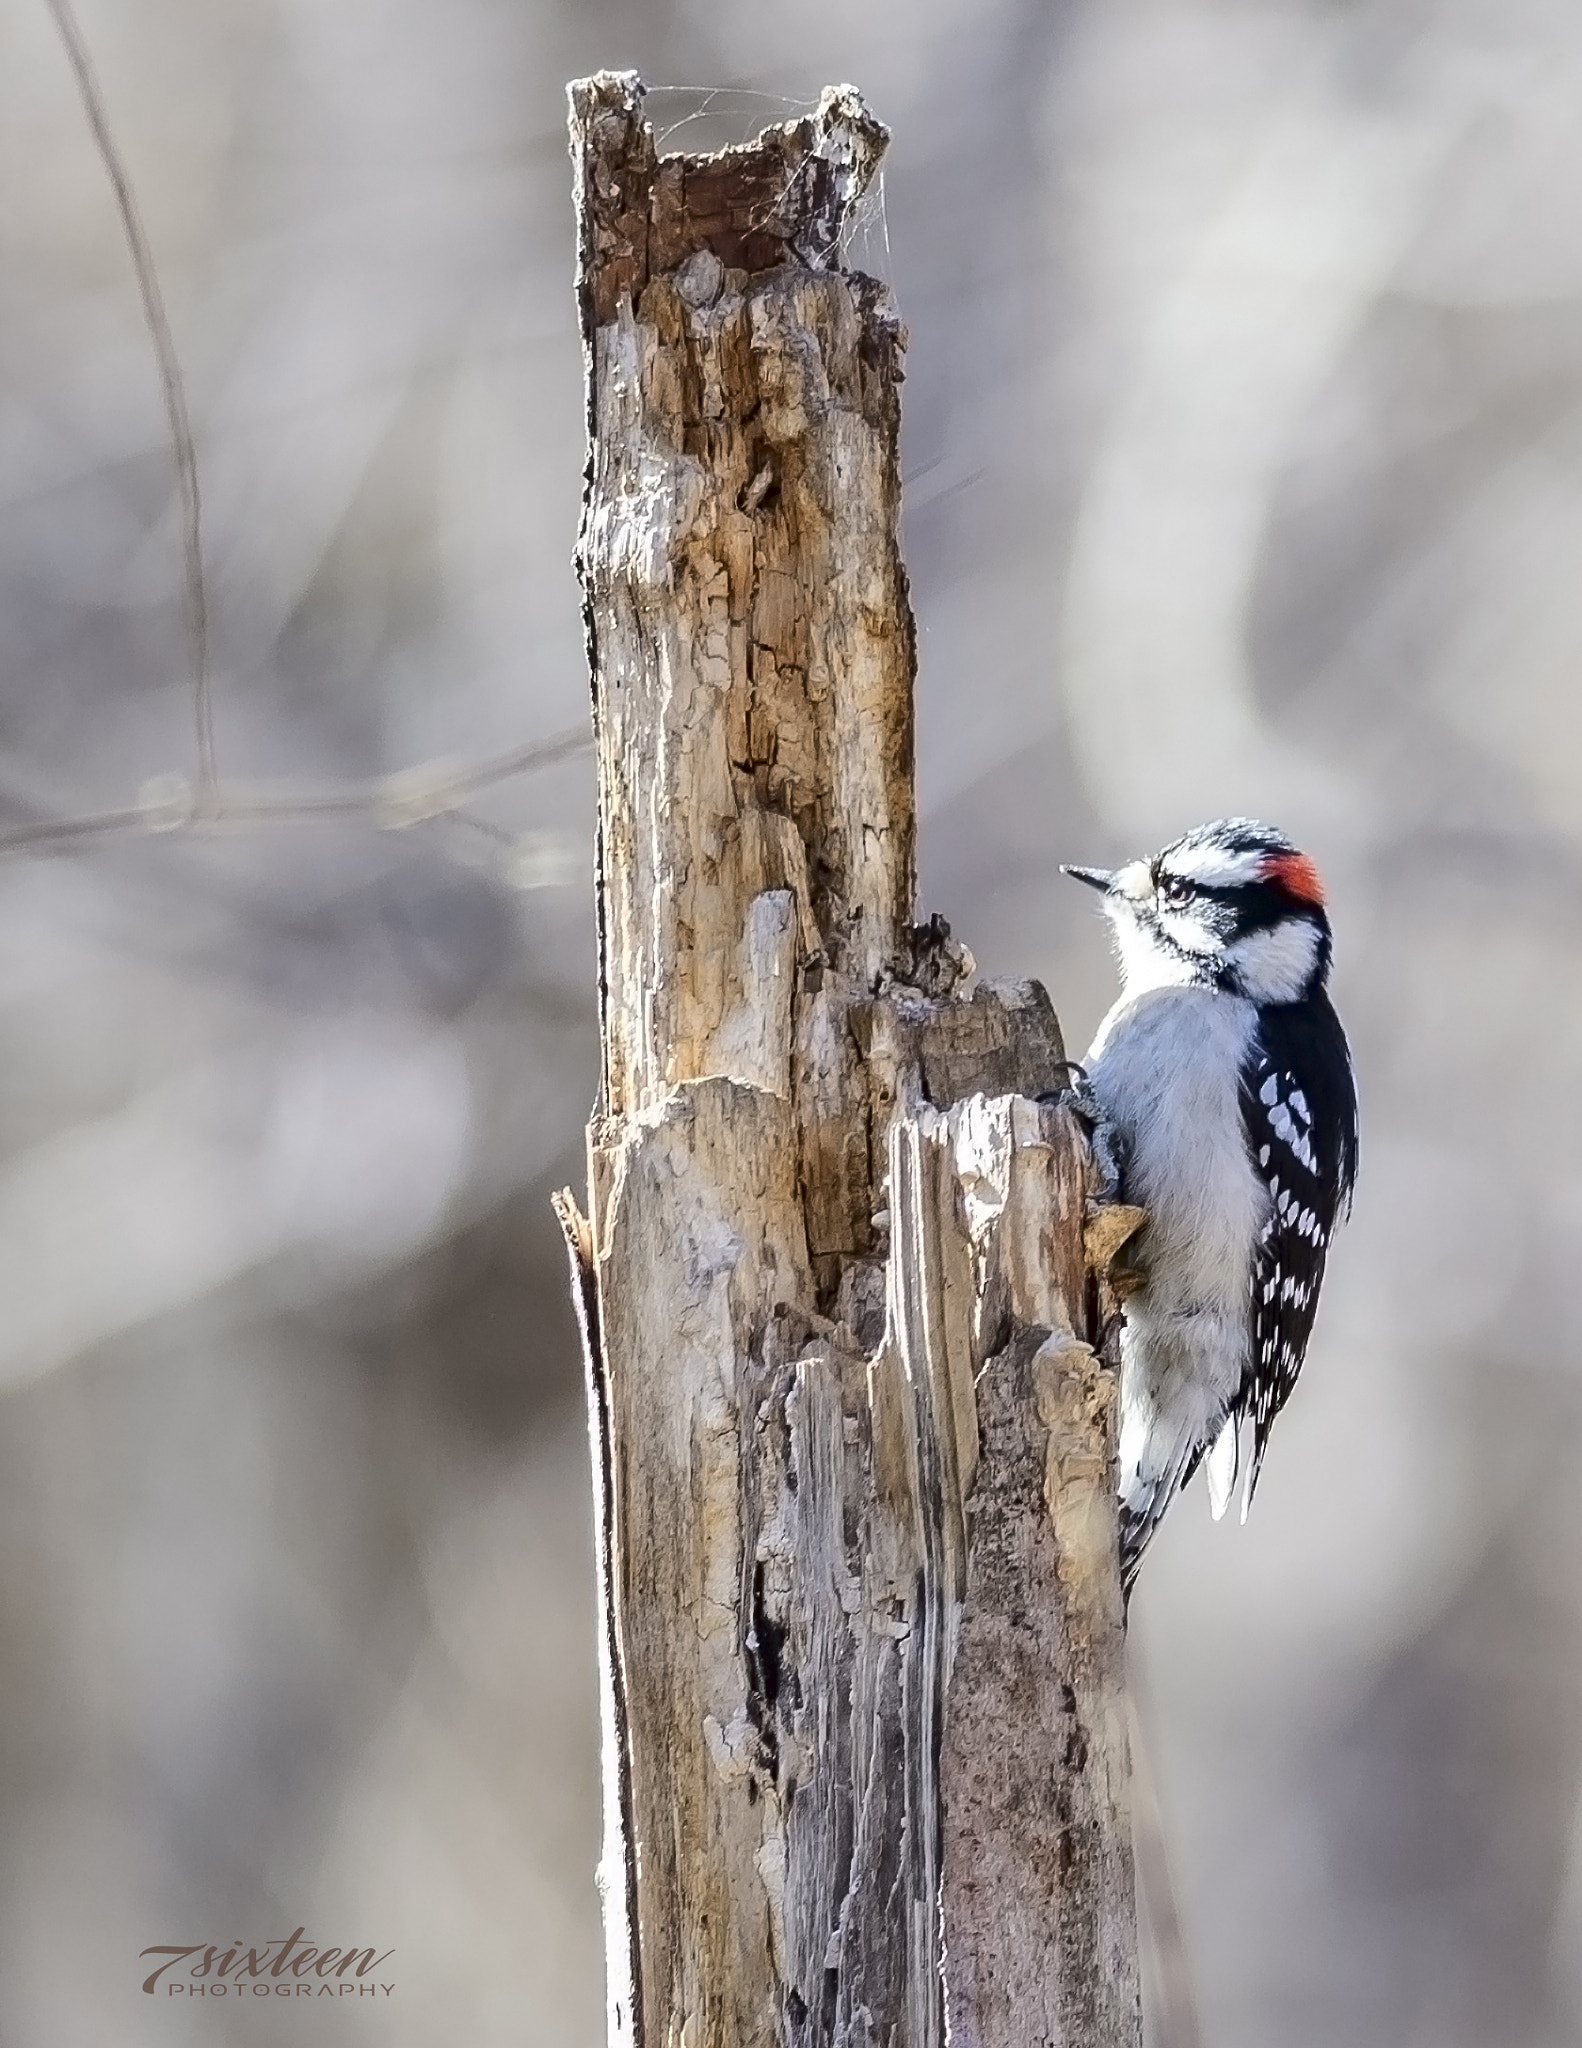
(841, 1279)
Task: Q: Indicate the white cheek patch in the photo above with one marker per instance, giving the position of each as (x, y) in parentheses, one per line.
(1275, 965)
(1190, 933)
(1145, 961)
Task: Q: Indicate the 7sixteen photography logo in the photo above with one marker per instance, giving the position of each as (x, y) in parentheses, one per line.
(280, 1969)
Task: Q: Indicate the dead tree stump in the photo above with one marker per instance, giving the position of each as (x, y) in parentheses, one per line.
(840, 1279)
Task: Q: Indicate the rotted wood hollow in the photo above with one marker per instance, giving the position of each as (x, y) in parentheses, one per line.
(865, 1742)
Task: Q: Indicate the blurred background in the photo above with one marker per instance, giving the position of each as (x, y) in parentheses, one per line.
(1244, 446)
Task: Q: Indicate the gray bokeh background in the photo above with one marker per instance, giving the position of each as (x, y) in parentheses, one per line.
(1244, 437)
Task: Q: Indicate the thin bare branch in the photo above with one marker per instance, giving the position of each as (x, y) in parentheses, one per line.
(174, 389)
(410, 796)
(54, 831)
(560, 746)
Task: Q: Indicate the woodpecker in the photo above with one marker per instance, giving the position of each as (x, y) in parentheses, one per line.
(1223, 1078)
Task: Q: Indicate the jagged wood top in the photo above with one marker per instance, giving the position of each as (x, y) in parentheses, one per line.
(786, 196)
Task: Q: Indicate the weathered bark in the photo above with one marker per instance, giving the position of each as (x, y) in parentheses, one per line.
(866, 1760)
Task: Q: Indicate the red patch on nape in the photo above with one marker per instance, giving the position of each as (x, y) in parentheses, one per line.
(1296, 875)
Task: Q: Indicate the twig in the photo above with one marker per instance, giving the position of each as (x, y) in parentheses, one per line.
(410, 796)
(560, 746)
(170, 378)
(44, 831)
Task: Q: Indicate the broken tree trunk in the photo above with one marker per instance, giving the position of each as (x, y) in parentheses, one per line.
(865, 1739)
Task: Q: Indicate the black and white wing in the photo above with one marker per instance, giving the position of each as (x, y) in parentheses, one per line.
(1299, 1104)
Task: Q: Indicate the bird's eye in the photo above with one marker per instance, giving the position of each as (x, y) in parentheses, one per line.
(1175, 891)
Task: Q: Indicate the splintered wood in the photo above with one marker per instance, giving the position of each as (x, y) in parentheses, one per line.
(862, 1652)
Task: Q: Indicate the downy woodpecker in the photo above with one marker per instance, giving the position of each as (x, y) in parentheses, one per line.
(1224, 1078)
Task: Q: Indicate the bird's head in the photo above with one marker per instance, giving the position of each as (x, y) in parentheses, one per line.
(1231, 905)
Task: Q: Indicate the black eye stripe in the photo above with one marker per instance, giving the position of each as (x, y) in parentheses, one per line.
(1217, 892)
(1180, 889)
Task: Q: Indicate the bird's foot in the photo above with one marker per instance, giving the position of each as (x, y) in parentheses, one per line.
(1104, 1140)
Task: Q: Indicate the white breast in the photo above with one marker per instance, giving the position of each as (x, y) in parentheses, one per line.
(1165, 1067)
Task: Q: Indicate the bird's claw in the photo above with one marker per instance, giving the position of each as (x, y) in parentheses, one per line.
(1104, 1142)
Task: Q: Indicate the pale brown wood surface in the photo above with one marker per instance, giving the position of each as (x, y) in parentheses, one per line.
(865, 1733)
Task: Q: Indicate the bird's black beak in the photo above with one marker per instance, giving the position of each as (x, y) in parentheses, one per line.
(1096, 878)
